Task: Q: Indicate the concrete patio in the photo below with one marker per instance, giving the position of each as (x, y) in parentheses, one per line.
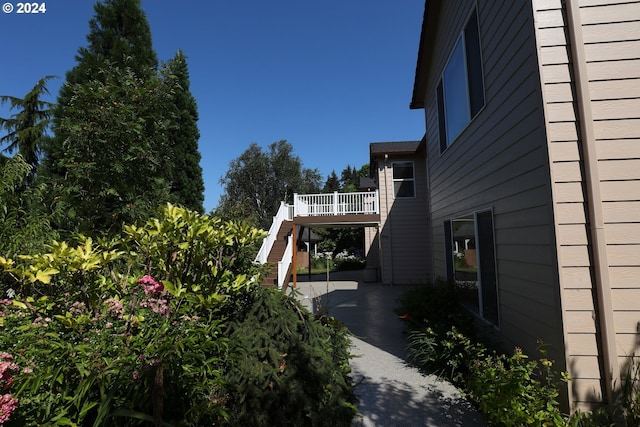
(390, 392)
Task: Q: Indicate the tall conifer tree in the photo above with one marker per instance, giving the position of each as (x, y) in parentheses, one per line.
(187, 185)
(111, 119)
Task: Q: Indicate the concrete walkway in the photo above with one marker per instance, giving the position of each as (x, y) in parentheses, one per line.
(390, 392)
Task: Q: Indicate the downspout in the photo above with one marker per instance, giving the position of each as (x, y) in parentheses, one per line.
(388, 221)
(596, 229)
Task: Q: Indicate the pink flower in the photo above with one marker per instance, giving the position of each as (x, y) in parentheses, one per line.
(151, 286)
(27, 371)
(8, 404)
(114, 307)
(135, 375)
(108, 325)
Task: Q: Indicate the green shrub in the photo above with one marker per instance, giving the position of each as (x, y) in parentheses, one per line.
(516, 391)
(509, 391)
(287, 369)
(434, 304)
(629, 402)
(128, 331)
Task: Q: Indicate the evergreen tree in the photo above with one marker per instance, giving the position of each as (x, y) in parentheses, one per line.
(187, 185)
(119, 37)
(27, 128)
(110, 149)
(119, 34)
(332, 184)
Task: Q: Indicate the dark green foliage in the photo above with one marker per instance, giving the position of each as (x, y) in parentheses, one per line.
(187, 185)
(110, 149)
(27, 128)
(118, 32)
(25, 223)
(332, 183)
(515, 391)
(258, 181)
(112, 114)
(434, 304)
(288, 369)
(629, 400)
(509, 390)
(335, 240)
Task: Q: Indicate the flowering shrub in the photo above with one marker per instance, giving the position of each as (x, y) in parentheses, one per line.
(8, 403)
(112, 332)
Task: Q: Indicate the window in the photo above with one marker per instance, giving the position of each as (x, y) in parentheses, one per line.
(403, 180)
(461, 89)
(471, 263)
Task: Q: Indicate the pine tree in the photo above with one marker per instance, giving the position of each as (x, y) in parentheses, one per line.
(27, 128)
(187, 185)
(332, 184)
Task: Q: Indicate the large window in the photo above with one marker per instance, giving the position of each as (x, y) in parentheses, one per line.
(403, 180)
(461, 88)
(471, 263)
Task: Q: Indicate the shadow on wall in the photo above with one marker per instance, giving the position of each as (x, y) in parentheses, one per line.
(629, 387)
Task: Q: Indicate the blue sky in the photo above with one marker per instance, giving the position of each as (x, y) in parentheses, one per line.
(328, 76)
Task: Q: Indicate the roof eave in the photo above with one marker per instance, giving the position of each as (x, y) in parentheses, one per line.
(417, 99)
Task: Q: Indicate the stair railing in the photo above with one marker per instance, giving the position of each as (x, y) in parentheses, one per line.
(285, 263)
(285, 213)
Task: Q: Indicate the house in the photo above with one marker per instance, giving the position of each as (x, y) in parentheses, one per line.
(532, 155)
(398, 247)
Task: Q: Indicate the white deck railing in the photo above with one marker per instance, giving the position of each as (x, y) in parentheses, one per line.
(336, 204)
(283, 265)
(285, 213)
(313, 205)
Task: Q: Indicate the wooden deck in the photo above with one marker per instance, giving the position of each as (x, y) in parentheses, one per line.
(345, 220)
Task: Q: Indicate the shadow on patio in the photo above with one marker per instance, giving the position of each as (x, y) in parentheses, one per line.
(390, 392)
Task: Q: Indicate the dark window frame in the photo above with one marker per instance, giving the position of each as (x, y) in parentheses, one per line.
(469, 39)
(403, 180)
(487, 305)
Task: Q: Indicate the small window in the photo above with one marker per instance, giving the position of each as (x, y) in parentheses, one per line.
(460, 91)
(471, 263)
(403, 180)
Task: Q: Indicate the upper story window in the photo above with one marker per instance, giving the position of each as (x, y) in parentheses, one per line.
(461, 88)
(403, 180)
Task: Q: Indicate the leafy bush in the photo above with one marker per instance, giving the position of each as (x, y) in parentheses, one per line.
(130, 330)
(287, 369)
(509, 391)
(167, 325)
(448, 354)
(433, 304)
(516, 391)
(630, 396)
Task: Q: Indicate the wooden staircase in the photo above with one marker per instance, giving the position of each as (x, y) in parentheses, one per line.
(279, 246)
